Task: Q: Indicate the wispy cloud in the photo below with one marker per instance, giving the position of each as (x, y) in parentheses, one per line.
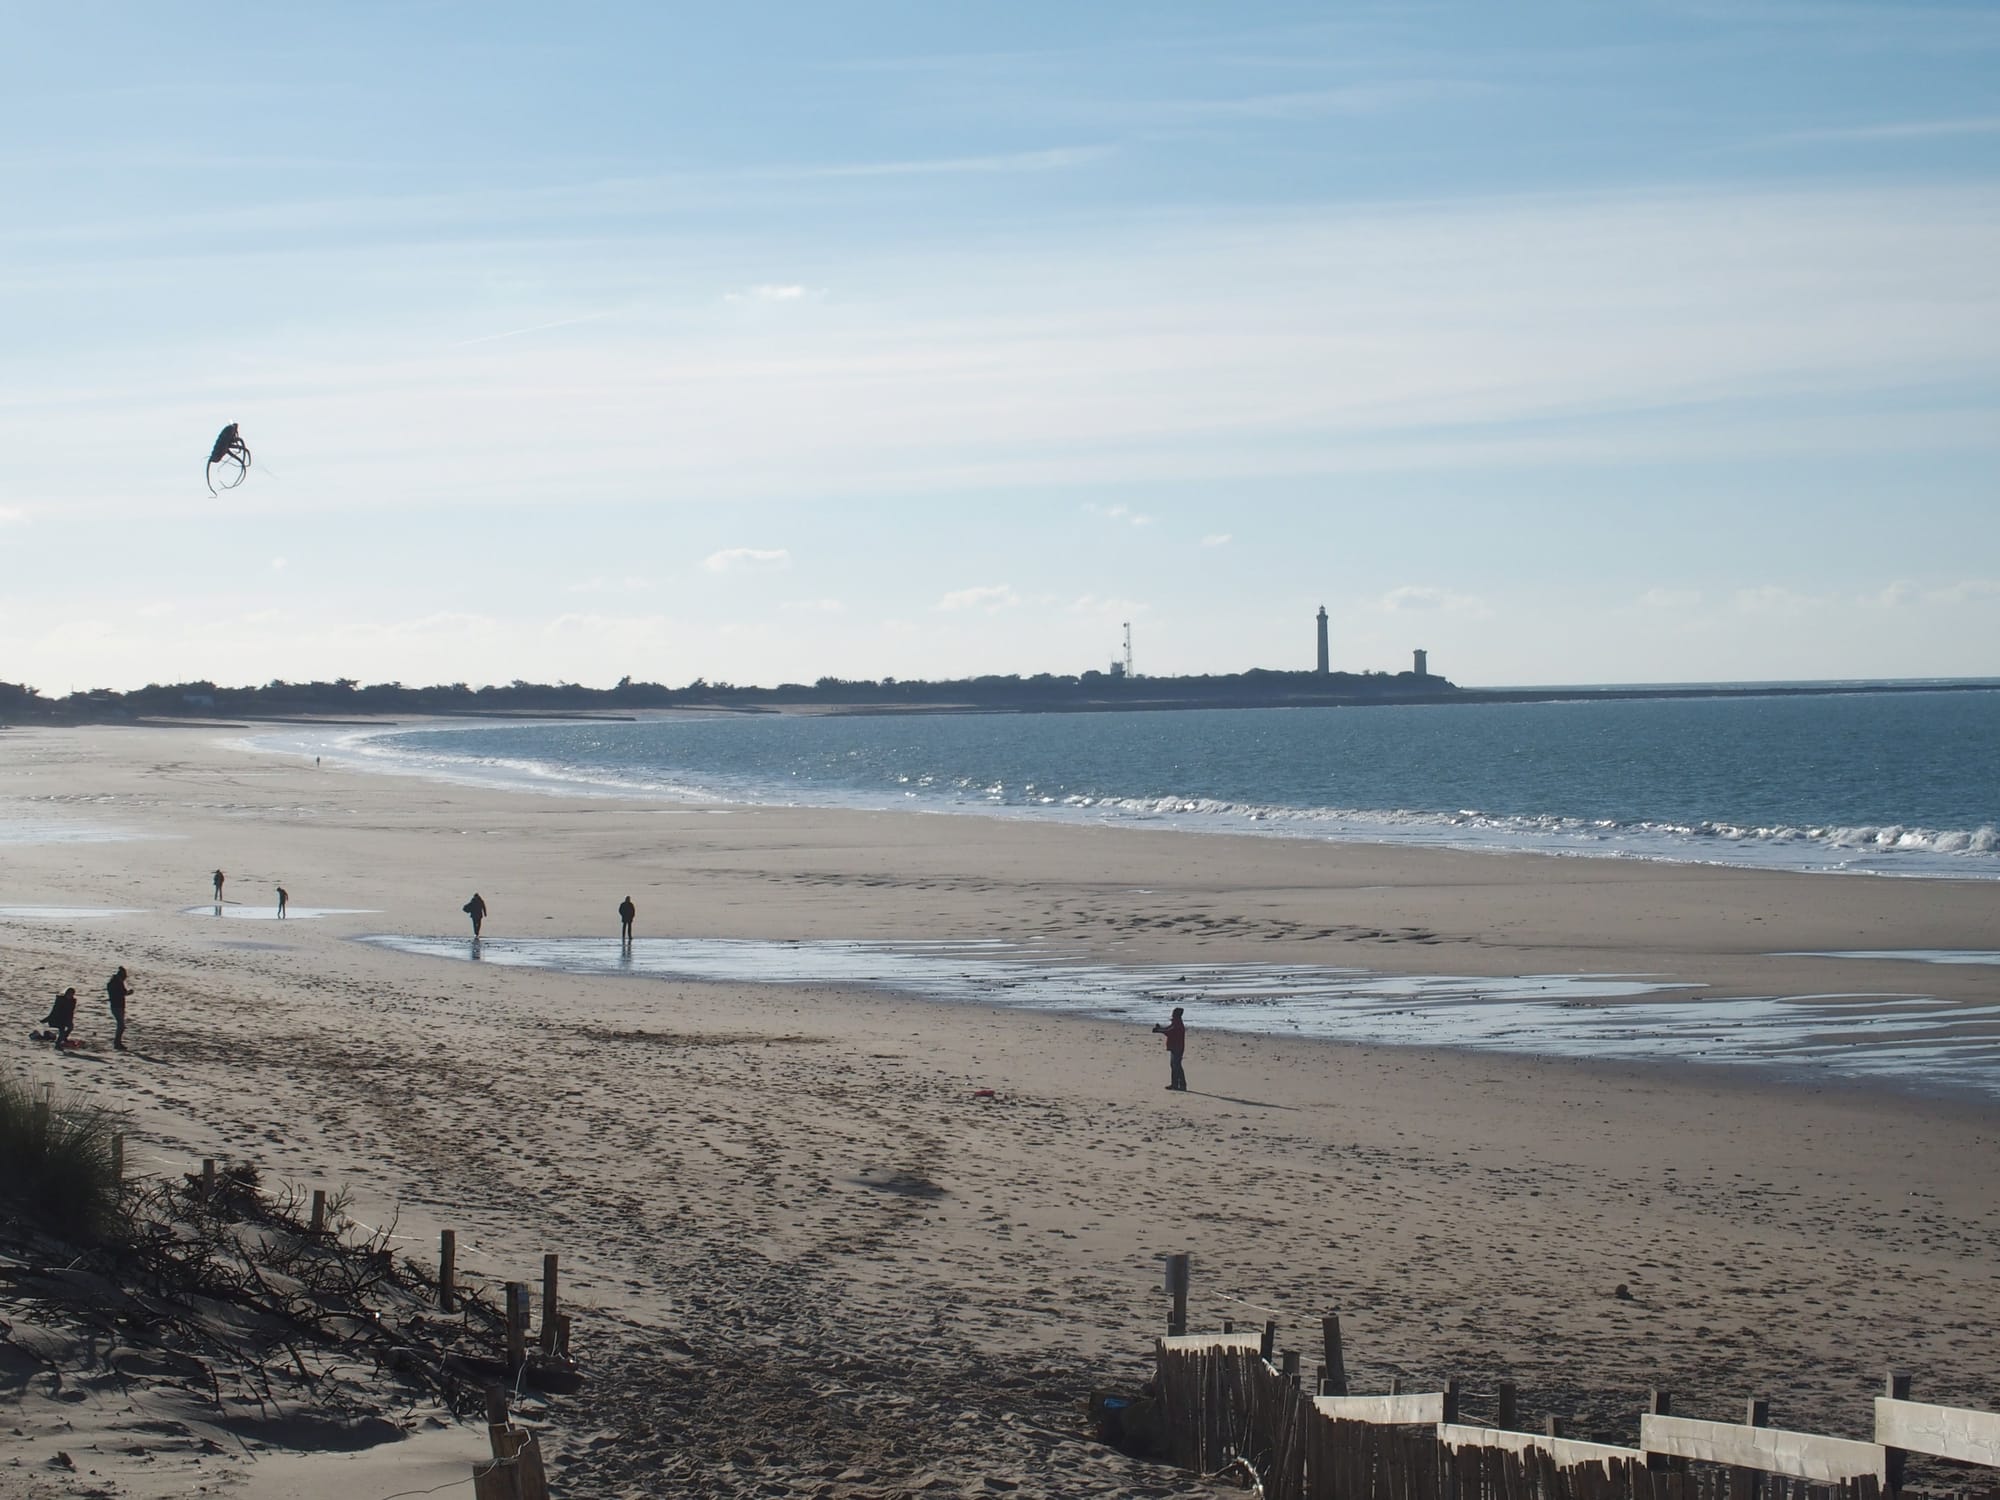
(769, 292)
(815, 606)
(1673, 599)
(1054, 159)
(515, 333)
(1773, 599)
(1217, 539)
(630, 584)
(12, 515)
(1966, 591)
(731, 559)
(1123, 513)
(990, 597)
(1891, 130)
(1412, 598)
(277, 565)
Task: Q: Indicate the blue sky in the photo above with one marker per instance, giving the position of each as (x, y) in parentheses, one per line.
(1573, 342)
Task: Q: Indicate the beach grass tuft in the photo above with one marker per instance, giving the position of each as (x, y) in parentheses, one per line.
(61, 1175)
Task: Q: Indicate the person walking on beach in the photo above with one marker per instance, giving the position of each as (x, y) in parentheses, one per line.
(626, 912)
(284, 900)
(62, 1016)
(1175, 1031)
(475, 909)
(218, 887)
(115, 990)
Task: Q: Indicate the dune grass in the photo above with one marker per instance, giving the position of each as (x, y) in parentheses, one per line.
(59, 1175)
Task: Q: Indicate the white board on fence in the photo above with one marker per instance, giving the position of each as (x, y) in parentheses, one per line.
(1383, 1411)
(1802, 1455)
(1213, 1343)
(1971, 1437)
(1567, 1452)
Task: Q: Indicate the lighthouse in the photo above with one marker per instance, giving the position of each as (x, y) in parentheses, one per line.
(1323, 665)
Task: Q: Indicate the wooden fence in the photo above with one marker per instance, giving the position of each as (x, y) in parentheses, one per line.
(1232, 1401)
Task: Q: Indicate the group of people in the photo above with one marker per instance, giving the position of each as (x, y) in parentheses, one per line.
(284, 896)
(62, 1015)
(476, 909)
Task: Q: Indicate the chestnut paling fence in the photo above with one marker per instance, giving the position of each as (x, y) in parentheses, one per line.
(1233, 1401)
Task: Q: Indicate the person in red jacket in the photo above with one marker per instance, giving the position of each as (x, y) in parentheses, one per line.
(1175, 1031)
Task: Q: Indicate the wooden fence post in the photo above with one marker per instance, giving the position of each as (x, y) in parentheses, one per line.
(1451, 1399)
(1507, 1407)
(1897, 1388)
(517, 1324)
(447, 1269)
(1177, 1283)
(318, 1224)
(1229, 1325)
(118, 1156)
(1552, 1426)
(1268, 1345)
(207, 1178)
(549, 1304)
(1659, 1404)
(1291, 1366)
(1335, 1383)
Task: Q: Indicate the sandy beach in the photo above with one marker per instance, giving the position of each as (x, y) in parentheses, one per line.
(811, 1252)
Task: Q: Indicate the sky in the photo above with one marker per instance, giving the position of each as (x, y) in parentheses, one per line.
(1650, 342)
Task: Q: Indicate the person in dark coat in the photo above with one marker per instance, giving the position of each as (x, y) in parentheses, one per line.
(626, 912)
(62, 1016)
(1175, 1031)
(475, 909)
(116, 988)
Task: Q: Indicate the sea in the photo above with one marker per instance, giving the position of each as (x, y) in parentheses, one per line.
(1859, 784)
(1900, 783)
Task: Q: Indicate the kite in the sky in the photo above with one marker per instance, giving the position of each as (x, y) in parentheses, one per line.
(233, 454)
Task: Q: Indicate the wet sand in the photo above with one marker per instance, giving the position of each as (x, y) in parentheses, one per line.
(820, 1259)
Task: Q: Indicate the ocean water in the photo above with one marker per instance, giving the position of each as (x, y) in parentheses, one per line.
(1893, 784)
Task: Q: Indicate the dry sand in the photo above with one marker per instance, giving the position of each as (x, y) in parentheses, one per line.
(811, 1260)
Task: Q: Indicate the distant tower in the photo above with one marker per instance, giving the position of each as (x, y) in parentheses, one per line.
(1128, 648)
(1323, 666)
(1423, 662)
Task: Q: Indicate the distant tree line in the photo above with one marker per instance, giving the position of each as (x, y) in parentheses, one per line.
(1043, 691)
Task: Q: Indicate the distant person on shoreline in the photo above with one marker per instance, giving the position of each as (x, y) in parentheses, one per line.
(115, 991)
(1175, 1031)
(218, 887)
(475, 909)
(284, 900)
(62, 1016)
(626, 912)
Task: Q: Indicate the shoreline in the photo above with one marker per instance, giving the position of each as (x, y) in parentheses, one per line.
(718, 1163)
(1548, 835)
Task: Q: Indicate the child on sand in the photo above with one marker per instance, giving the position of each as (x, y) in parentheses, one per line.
(62, 1016)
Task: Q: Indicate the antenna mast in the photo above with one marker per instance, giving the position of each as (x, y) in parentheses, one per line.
(1128, 648)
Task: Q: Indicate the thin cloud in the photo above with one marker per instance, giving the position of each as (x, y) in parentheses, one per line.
(1661, 598)
(514, 333)
(602, 585)
(1413, 598)
(1966, 591)
(730, 559)
(1123, 513)
(277, 565)
(989, 597)
(769, 292)
(1054, 159)
(1218, 539)
(13, 515)
(1891, 130)
(815, 606)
